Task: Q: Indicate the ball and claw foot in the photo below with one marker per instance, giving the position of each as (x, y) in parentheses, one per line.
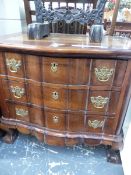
(113, 156)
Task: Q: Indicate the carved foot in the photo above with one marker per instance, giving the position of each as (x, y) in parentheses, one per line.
(113, 156)
(10, 136)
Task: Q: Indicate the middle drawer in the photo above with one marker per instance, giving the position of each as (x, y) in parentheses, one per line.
(75, 98)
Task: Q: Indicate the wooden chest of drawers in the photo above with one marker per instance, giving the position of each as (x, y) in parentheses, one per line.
(65, 90)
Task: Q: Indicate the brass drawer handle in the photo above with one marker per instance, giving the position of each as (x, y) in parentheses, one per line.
(17, 91)
(95, 124)
(55, 95)
(13, 64)
(54, 67)
(103, 74)
(21, 112)
(99, 102)
(55, 119)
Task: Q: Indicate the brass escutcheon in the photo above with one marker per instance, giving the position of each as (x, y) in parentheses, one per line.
(103, 74)
(95, 124)
(99, 102)
(17, 91)
(55, 119)
(21, 112)
(55, 95)
(13, 64)
(54, 67)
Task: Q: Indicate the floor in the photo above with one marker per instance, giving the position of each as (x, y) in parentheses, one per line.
(27, 156)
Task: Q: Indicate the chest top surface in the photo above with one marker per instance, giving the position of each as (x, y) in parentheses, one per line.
(67, 44)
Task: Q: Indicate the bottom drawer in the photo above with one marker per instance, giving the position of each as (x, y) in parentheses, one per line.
(76, 123)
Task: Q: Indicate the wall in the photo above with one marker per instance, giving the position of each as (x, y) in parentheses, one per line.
(11, 20)
(126, 152)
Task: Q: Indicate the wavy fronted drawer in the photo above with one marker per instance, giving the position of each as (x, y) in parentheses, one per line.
(53, 122)
(73, 71)
(76, 98)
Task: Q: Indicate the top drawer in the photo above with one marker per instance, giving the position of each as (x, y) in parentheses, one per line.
(72, 71)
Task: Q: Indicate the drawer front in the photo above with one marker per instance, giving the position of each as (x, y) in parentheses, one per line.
(62, 97)
(37, 116)
(20, 91)
(120, 72)
(14, 64)
(66, 71)
(15, 90)
(108, 72)
(33, 68)
(103, 101)
(55, 70)
(76, 71)
(76, 122)
(22, 113)
(55, 120)
(62, 121)
(27, 114)
(100, 124)
(35, 93)
(19, 112)
(77, 99)
(79, 71)
(95, 124)
(56, 97)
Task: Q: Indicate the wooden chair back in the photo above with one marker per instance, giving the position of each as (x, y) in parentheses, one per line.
(64, 16)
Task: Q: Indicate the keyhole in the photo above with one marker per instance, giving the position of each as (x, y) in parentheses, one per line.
(54, 67)
(55, 95)
(55, 119)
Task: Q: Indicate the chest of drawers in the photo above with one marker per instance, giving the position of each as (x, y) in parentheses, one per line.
(64, 90)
